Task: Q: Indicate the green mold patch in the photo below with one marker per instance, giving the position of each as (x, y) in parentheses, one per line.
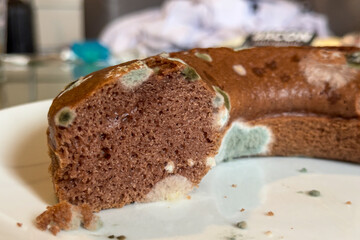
(225, 96)
(164, 55)
(190, 74)
(137, 76)
(177, 60)
(222, 116)
(353, 59)
(156, 70)
(218, 100)
(204, 56)
(241, 140)
(65, 117)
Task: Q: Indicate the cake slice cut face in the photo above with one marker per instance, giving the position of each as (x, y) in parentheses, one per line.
(141, 132)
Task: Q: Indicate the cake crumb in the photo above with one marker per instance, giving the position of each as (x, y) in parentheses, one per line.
(348, 203)
(111, 236)
(233, 185)
(188, 197)
(121, 237)
(225, 196)
(242, 210)
(242, 225)
(314, 193)
(270, 213)
(268, 233)
(65, 216)
(19, 224)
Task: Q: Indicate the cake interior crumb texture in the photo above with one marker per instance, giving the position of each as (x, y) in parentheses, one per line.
(123, 141)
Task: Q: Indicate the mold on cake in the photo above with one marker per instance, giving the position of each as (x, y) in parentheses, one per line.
(203, 56)
(222, 117)
(64, 117)
(239, 69)
(156, 70)
(244, 140)
(135, 77)
(190, 74)
(177, 60)
(225, 97)
(170, 166)
(218, 100)
(132, 75)
(74, 84)
(327, 68)
(170, 188)
(210, 162)
(222, 104)
(164, 55)
(353, 59)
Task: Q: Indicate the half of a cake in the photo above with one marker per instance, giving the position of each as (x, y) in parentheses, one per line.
(150, 129)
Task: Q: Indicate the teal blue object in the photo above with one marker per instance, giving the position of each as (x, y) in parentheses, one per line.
(83, 69)
(91, 51)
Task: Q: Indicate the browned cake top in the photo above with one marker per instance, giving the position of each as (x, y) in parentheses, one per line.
(309, 81)
(314, 81)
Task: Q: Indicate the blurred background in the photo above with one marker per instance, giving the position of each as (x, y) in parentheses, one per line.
(45, 44)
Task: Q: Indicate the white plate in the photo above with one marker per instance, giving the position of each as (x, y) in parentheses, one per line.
(262, 185)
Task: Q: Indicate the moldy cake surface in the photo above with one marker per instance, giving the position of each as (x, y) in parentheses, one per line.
(150, 129)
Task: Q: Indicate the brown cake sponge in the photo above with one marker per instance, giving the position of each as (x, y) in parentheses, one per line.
(64, 216)
(150, 129)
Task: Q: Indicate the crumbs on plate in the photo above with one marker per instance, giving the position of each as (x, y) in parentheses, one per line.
(270, 213)
(268, 233)
(314, 193)
(121, 237)
(241, 225)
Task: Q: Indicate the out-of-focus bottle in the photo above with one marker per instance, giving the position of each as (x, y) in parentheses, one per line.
(3, 18)
(20, 38)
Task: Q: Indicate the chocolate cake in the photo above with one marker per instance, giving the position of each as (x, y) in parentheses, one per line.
(150, 129)
(65, 216)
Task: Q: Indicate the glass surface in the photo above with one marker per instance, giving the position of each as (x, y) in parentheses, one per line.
(22, 82)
